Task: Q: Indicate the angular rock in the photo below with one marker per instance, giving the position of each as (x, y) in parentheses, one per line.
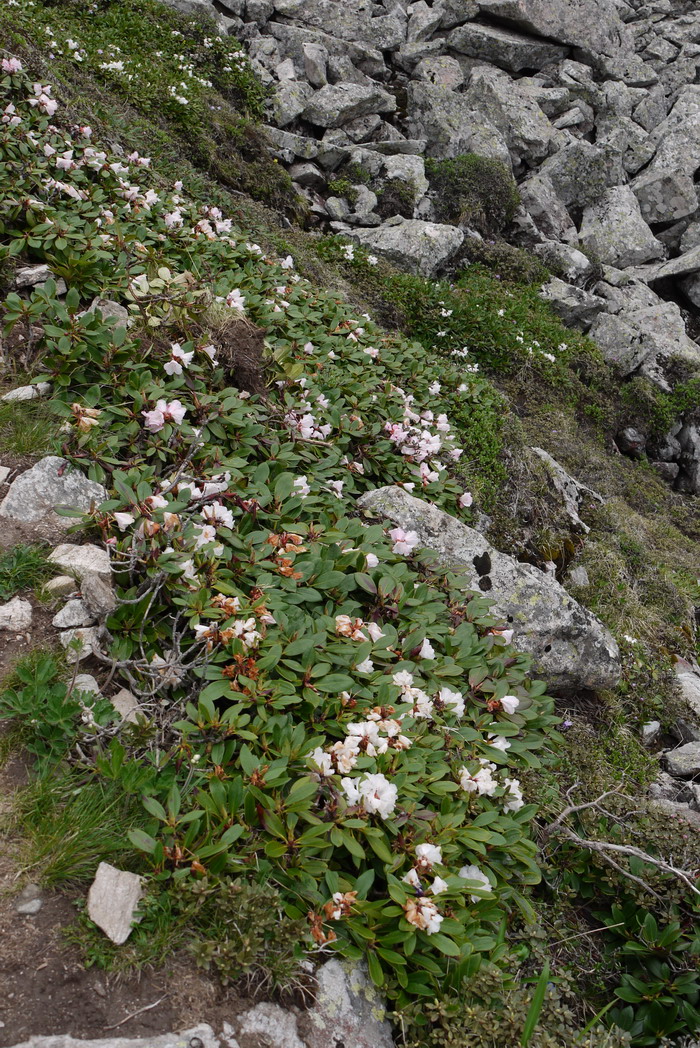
(30, 276)
(271, 1025)
(651, 732)
(126, 705)
(29, 900)
(80, 643)
(578, 576)
(4, 474)
(348, 1009)
(593, 25)
(289, 101)
(445, 122)
(73, 613)
(291, 145)
(504, 48)
(684, 264)
(51, 483)
(580, 172)
(98, 595)
(636, 337)
(110, 310)
(353, 20)
(684, 761)
(336, 104)
(61, 586)
(40, 389)
(678, 136)
(689, 680)
(80, 561)
(631, 442)
(407, 169)
(665, 196)
(570, 647)
(548, 211)
(440, 70)
(572, 493)
(691, 287)
(576, 307)
(570, 262)
(420, 247)
(614, 230)
(85, 682)
(202, 1035)
(112, 901)
(512, 111)
(16, 615)
(689, 460)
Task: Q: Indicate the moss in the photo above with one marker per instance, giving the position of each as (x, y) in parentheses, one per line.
(475, 191)
(511, 264)
(342, 187)
(396, 198)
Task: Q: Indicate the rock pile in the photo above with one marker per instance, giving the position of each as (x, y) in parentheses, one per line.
(594, 106)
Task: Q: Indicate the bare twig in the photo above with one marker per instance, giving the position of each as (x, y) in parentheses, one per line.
(146, 1008)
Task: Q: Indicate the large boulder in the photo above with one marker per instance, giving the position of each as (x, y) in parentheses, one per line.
(449, 127)
(420, 247)
(504, 48)
(665, 195)
(50, 484)
(614, 230)
(347, 1010)
(593, 25)
(581, 171)
(337, 104)
(576, 307)
(635, 338)
(354, 20)
(570, 647)
(513, 112)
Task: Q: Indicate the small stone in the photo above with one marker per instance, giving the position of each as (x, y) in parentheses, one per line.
(126, 705)
(98, 595)
(684, 761)
(631, 442)
(51, 483)
(668, 471)
(16, 615)
(348, 1010)
(88, 640)
(29, 276)
(35, 392)
(61, 586)
(80, 561)
(28, 909)
(112, 901)
(579, 576)
(85, 682)
(4, 474)
(110, 310)
(73, 613)
(650, 733)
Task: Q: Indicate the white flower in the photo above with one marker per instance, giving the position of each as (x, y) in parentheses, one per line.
(366, 666)
(510, 703)
(302, 487)
(466, 500)
(424, 914)
(412, 878)
(514, 796)
(217, 513)
(378, 795)
(438, 886)
(352, 794)
(372, 560)
(428, 855)
(124, 520)
(426, 651)
(372, 260)
(374, 631)
(473, 873)
(453, 701)
(499, 742)
(323, 761)
(482, 782)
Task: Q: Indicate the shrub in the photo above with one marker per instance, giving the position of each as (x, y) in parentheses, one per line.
(475, 191)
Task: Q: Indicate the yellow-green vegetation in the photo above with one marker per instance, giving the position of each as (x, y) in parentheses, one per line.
(238, 640)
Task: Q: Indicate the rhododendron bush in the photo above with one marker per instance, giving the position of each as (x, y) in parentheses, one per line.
(321, 708)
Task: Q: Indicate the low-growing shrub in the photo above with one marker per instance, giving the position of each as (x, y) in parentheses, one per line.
(474, 191)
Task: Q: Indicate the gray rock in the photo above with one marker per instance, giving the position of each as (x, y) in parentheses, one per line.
(315, 64)
(684, 264)
(126, 705)
(581, 171)
(678, 136)
(286, 70)
(353, 20)
(578, 576)
(16, 615)
(504, 48)
(289, 101)
(689, 680)
(548, 211)
(455, 12)
(112, 901)
(667, 788)
(512, 111)
(337, 207)
(681, 812)
(51, 483)
(40, 389)
(571, 492)
(635, 338)
(98, 595)
(653, 108)
(291, 145)
(307, 174)
(80, 643)
(334, 148)
(446, 123)
(202, 1034)
(570, 647)
(667, 471)
(61, 586)
(200, 8)
(406, 147)
(73, 613)
(363, 127)
(110, 310)
(689, 461)
(593, 25)
(573, 265)
(29, 900)
(440, 70)
(665, 196)
(30, 276)
(85, 682)
(348, 1009)
(271, 1025)
(631, 442)
(365, 201)
(684, 761)
(423, 21)
(613, 228)
(81, 561)
(691, 287)
(420, 247)
(4, 474)
(407, 169)
(690, 236)
(336, 104)
(651, 732)
(576, 307)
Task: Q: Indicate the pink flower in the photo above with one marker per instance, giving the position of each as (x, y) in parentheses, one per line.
(124, 520)
(11, 65)
(466, 499)
(162, 413)
(372, 560)
(404, 541)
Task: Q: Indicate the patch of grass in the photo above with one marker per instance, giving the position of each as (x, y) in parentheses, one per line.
(473, 191)
(23, 567)
(27, 428)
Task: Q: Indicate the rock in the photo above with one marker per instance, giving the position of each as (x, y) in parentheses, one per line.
(667, 471)
(631, 442)
(112, 901)
(201, 1036)
(689, 474)
(686, 263)
(98, 595)
(677, 812)
(334, 105)
(271, 1025)
(110, 310)
(423, 21)
(548, 211)
(61, 586)
(80, 643)
(440, 70)
(572, 493)
(85, 682)
(315, 64)
(455, 12)
(51, 483)
(576, 307)
(363, 127)
(29, 900)
(614, 230)
(578, 576)
(691, 287)
(593, 25)
(348, 1009)
(689, 680)
(80, 561)
(289, 101)
(126, 705)
(650, 112)
(41, 389)
(570, 647)
(572, 264)
(512, 111)
(365, 201)
(667, 788)
(16, 615)
(446, 123)
(665, 196)
(667, 449)
(580, 172)
(420, 247)
(307, 174)
(651, 732)
(30, 276)
(290, 144)
(504, 48)
(407, 169)
(74, 613)
(353, 20)
(4, 474)
(684, 761)
(636, 337)
(337, 208)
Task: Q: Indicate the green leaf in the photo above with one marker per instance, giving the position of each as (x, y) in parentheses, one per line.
(536, 1005)
(142, 841)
